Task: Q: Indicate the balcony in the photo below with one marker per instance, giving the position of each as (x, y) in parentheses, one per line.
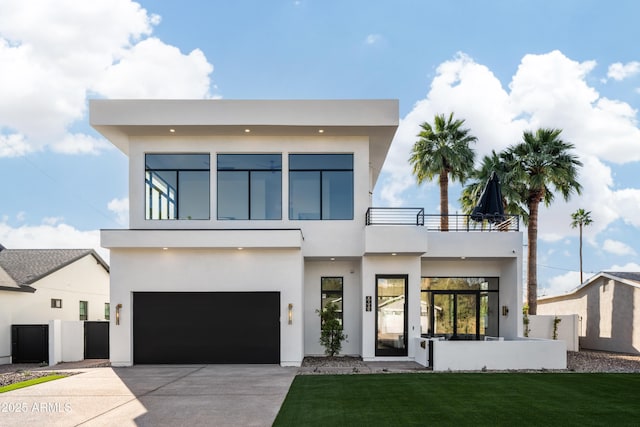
(416, 216)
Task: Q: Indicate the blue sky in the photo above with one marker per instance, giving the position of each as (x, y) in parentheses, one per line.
(504, 66)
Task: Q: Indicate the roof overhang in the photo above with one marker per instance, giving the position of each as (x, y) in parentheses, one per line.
(119, 120)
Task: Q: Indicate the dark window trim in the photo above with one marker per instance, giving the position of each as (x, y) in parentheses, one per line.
(177, 171)
(380, 352)
(248, 171)
(56, 303)
(341, 292)
(321, 171)
(478, 293)
(86, 310)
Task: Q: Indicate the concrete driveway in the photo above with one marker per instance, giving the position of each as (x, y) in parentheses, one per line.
(172, 395)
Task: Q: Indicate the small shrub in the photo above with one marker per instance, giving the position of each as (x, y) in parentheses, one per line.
(525, 319)
(556, 320)
(332, 335)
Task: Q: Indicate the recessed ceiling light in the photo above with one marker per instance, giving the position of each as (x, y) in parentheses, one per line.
(393, 254)
(165, 249)
(320, 130)
(247, 130)
(240, 249)
(172, 130)
(332, 259)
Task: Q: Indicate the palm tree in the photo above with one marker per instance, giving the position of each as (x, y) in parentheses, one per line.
(443, 150)
(581, 218)
(541, 161)
(495, 162)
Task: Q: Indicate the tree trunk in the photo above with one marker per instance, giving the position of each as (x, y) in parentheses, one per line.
(532, 256)
(580, 253)
(444, 201)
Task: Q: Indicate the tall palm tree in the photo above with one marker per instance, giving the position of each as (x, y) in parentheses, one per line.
(443, 150)
(581, 218)
(537, 165)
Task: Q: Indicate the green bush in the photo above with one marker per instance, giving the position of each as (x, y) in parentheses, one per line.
(332, 335)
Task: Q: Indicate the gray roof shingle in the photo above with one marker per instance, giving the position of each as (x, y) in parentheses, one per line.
(26, 266)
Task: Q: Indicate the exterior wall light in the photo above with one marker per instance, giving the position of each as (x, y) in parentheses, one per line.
(290, 313)
(505, 310)
(118, 308)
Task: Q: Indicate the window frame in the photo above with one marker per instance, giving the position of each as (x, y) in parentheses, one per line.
(249, 171)
(173, 213)
(321, 170)
(107, 311)
(56, 303)
(85, 305)
(333, 292)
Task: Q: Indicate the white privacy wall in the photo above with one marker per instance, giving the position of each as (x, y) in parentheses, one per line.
(207, 270)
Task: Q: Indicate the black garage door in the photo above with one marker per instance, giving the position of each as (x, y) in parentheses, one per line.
(206, 327)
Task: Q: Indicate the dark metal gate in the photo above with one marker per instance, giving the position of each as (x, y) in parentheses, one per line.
(96, 340)
(30, 343)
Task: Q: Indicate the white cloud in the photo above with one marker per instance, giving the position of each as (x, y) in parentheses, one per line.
(617, 248)
(121, 208)
(630, 266)
(13, 145)
(373, 38)
(80, 143)
(620, 71)
(562, 284)
(153, 69)
(53, 53)
(50, 236)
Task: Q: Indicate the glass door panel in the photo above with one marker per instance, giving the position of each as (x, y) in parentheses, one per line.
(444, 313)
(466, 316)
(391, 315)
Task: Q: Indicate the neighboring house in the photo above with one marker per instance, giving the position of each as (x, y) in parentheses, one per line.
(246, 217)
(608, 306)
(40, 285)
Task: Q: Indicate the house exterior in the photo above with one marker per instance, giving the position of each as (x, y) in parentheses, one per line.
(608, 306)
(41, 285)
(246, 217)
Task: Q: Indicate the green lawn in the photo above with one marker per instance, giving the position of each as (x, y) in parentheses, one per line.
(506, 399)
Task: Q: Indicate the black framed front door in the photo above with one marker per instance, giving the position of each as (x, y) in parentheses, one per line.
(391, 315)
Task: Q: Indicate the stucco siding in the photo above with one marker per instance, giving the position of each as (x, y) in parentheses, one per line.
(189, 270)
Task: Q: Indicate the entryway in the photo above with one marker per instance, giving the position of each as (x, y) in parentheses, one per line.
(391, 315)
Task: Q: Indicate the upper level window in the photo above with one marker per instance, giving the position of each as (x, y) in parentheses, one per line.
(321, 186)
(177, 186)
(249, 186)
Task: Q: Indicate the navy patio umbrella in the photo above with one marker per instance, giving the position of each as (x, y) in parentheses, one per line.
(489, 207)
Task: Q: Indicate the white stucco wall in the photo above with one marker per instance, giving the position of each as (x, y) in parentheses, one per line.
(208, 270)
(351, 304)
(82, 280)
(390, 265)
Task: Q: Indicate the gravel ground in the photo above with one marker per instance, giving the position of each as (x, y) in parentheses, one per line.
(10, 374)
(582, 361)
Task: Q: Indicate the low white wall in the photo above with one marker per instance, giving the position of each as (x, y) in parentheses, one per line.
(66, 341)
(55, 342)
(499, 355)
(72, 341)
(541, 326)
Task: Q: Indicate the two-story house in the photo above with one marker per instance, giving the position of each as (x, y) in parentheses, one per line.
(247, 217)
